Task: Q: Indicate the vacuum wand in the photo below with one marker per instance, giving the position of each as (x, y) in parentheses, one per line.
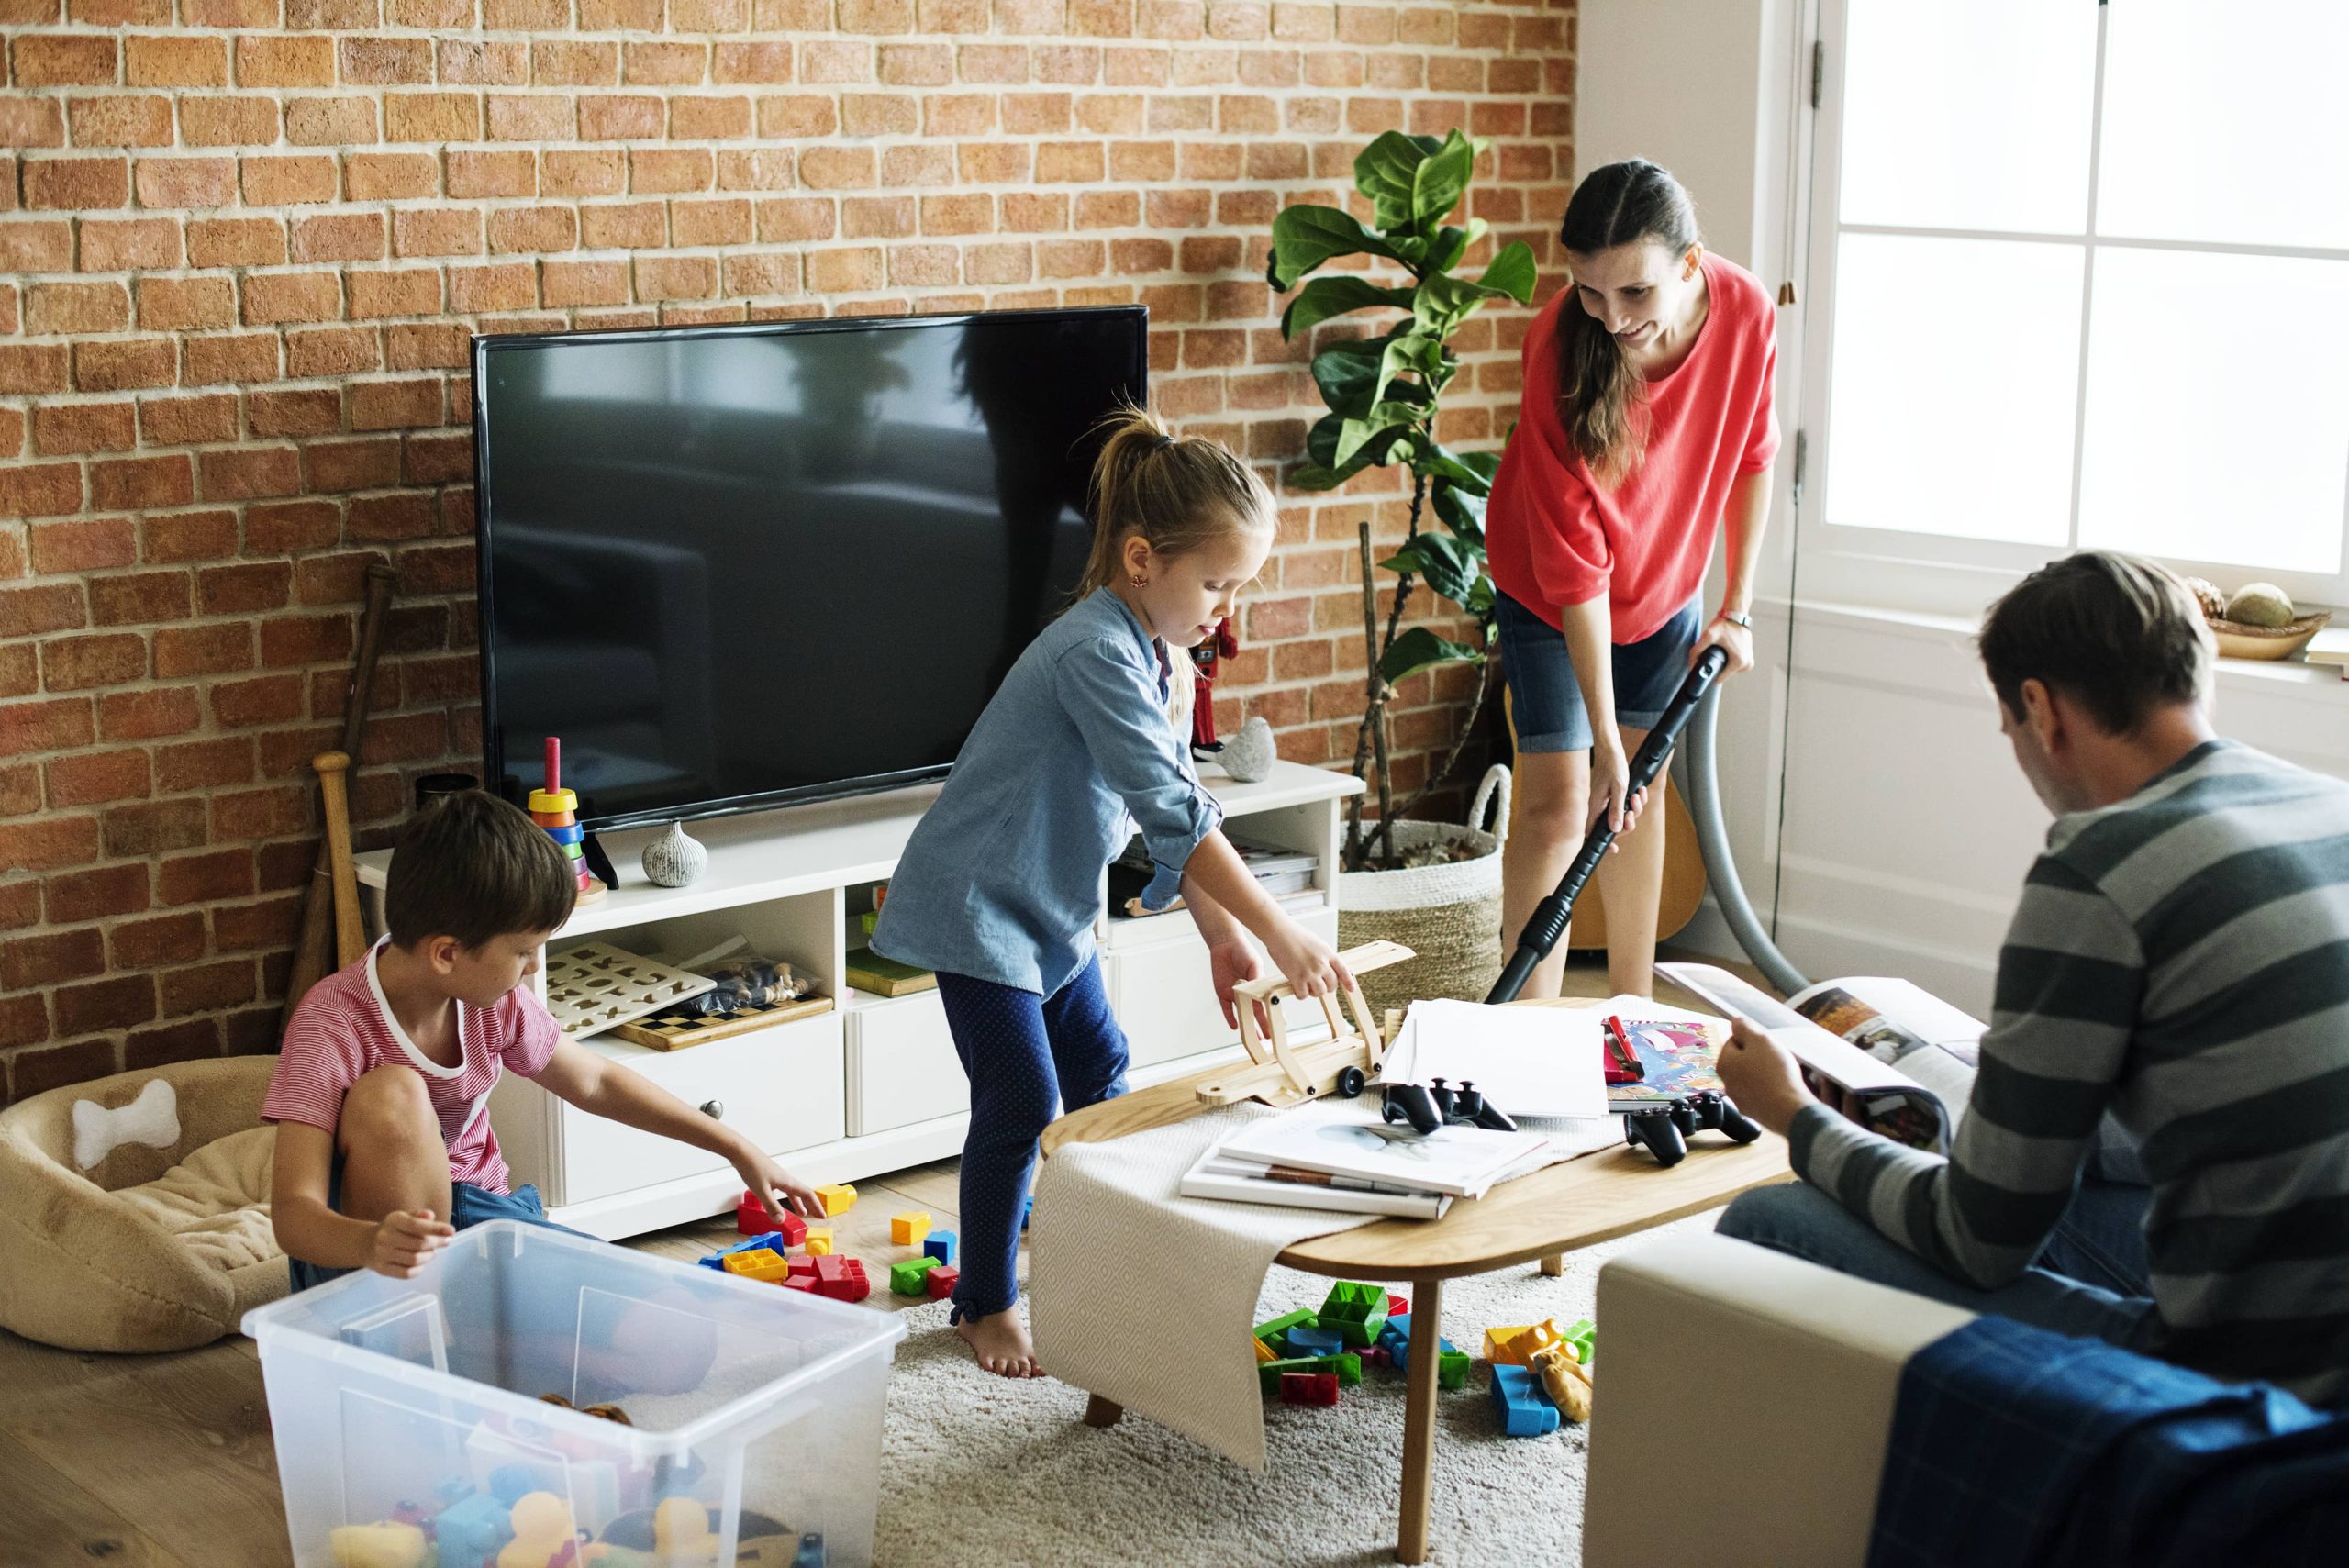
(1547, 924)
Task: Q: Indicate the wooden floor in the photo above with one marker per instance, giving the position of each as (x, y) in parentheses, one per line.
(165, 1461)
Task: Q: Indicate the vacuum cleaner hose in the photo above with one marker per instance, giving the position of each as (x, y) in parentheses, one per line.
(1700, 783)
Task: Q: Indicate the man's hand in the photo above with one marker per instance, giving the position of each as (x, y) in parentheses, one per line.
(777, 1188)
(406, 1240)
(1231, 963)
(1761, 1075)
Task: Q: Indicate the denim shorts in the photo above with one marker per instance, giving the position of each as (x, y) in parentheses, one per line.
(468, 1205)
(1548, 701)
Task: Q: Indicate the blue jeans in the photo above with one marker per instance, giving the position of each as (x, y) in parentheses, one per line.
(1025, 1054)
(2091, 1279)
(468, 1205)
(1547, 699)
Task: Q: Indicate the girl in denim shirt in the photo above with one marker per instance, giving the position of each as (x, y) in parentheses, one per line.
(1000, 885)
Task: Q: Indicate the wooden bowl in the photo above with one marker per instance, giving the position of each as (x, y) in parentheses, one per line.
(2237, 640)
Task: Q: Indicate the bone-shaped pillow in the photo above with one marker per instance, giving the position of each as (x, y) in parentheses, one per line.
(152, 1119)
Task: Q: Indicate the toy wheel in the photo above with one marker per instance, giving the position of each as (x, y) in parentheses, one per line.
(1350, 1083)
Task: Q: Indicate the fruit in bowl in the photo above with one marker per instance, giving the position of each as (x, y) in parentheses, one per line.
(2261, 604)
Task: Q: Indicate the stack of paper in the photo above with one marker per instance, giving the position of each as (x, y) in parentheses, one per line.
(1529, 1061)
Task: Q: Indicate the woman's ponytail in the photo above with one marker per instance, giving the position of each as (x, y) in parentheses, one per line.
(1602, 397)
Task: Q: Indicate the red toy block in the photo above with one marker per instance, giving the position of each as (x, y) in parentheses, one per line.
(840, 1278)
(797, 1282)
(940, 1281)
(802, 1268)
(1308, 1388)
(1398, 1304)
(750, 1219)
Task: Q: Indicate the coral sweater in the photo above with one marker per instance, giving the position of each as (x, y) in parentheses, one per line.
(1555, 536)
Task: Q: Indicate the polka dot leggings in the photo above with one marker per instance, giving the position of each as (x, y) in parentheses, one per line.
(1025, 1054)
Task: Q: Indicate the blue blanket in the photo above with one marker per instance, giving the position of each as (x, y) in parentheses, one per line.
(2013, 1447)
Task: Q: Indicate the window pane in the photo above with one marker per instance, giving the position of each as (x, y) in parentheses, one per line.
(2223, 122)
(2204, 441)
(1968, 114)
(1954, 379)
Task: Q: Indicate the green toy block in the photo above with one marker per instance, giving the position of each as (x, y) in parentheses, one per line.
(1451, 1368)
(1348, 1367)
(1584, 1338)
(1355, 1311)
(1272, 1333)
(905, 1278)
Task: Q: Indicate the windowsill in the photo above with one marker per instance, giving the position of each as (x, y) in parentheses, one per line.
(2277, 677)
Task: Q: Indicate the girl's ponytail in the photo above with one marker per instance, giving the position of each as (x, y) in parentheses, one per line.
(1602, 399)
(1177, 494)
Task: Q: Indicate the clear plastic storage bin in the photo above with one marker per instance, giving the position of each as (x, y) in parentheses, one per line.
(413, 1426)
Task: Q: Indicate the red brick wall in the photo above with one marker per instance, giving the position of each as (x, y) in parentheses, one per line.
(242, 244)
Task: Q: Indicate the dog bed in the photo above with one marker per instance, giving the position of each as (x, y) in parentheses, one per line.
(153, 1234)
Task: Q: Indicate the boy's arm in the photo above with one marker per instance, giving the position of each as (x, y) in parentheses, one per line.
(603, 1087)
(309, 1230)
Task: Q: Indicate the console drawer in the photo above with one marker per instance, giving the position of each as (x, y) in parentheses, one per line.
(781, 1087)
(1160, 996)
(901, 1064)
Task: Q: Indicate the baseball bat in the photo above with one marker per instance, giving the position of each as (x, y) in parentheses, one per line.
(315, 946)
(349, 940)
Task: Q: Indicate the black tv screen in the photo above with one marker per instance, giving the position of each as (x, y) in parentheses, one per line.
(744, 566)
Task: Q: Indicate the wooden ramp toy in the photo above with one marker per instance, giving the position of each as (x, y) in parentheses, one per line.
(1283, 1074)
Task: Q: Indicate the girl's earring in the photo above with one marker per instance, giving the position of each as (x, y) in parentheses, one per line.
(1139, 580)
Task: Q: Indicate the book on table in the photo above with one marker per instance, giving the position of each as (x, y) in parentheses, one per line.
(1218, 1176)
(1347, 1139)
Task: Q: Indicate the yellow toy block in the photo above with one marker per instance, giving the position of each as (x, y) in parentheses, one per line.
(1520, 1347)
(758, 1264)
(1496, 1344)
(837, 1198)
(377, 1546)
(1265, 1352)
(818, 1242)
(907, 1230)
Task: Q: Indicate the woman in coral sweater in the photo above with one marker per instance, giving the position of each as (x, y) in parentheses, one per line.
(1646, 431)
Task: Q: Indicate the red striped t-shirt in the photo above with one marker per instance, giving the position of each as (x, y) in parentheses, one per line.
(345, 1028)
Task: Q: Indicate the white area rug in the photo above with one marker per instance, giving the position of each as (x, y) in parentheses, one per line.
(978, 1471)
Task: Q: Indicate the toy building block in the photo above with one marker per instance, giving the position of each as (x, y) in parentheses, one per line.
(907, 1230)
(812, 1551)
(905, 1278)
(1451, 1368)
(1524, 1409)
(758, 1264)
(1520, 1346)
(803, 1267)
(770, 1240)
(1346, 1368)
(1304, 1342)
(939, 1282)
(377, 1546)
(750, 1215)
(1564, 1379)
(1284, 1323)
(1583, 1335)
(1265, 1352)
(1316, 1388)
(1398, 1304)
(1356, 1312)
(841, 1278)
(837, 1198)
(1375, 1355)
(819, 1240)
(940, 1244)
(473, 1527)
(1396, 1337)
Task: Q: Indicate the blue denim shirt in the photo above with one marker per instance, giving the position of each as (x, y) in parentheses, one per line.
(1001, 880)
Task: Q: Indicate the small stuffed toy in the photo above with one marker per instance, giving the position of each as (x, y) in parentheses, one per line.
(1564, 1379)
(152, 1119)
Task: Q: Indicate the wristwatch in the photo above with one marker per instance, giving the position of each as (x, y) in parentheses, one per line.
(1736, 619)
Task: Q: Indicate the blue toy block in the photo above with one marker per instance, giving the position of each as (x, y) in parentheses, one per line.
(473, 1529)
(940, 1244)
(1028, 1213)
(1304, 1342)
(1521, 1404)
(773, 1239)
(1396, 1335)
(812, 1551)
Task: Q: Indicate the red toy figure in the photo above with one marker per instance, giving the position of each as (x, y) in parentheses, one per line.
(1224, 644)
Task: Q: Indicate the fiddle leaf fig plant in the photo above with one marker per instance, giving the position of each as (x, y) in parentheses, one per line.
(1384, 390)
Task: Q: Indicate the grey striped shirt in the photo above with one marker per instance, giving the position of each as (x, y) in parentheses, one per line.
(2179, 958)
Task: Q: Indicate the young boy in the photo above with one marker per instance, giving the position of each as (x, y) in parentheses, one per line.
(381, 1096)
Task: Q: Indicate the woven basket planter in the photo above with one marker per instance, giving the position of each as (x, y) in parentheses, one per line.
(1450, 914)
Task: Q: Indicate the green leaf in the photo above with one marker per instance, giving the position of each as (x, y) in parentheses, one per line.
(1313, 476)
(1462, 509)
(1410, 351)
(1441, 464)
(1486, 465)
(1452, 242)
(1321, 449)
(1420, 648)
(1346, 371)
(1450, 565)
(1437, 182)
(1324, 297)
(1443, 302)
(1388, 173)
(1384, 419)
(1307, 234)
(1511, 273)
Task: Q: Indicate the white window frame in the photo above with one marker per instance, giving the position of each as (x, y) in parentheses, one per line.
(1938, 573)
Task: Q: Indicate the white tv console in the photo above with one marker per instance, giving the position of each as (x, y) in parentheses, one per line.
(874, 1084)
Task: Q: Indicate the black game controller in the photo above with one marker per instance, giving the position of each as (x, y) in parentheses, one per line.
(1428, 1106)
(1666, 1130)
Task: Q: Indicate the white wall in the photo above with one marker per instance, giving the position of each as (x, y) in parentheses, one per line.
(1905, 827)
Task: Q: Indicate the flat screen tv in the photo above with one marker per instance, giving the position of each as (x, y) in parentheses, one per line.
(736, 567)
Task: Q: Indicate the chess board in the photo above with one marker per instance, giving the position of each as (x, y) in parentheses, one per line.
(595, 985)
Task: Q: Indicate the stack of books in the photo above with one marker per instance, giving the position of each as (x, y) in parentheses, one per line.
(1282, 874)
(1338, 1154)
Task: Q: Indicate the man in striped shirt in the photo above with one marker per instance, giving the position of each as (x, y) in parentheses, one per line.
(2172, 1002)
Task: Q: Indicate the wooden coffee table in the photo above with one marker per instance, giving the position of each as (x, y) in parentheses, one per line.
(1541, 1217)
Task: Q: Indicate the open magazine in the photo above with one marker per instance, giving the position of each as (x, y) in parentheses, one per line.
(1891, 1055)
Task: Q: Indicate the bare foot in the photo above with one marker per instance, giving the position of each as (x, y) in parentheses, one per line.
(1000, 1341)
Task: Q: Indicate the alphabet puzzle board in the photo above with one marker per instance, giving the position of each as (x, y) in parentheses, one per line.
(595, 985)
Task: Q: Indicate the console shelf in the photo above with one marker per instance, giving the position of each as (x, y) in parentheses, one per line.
(873, 1084)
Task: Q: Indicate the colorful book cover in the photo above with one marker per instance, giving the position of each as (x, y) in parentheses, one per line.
(1676, 1057)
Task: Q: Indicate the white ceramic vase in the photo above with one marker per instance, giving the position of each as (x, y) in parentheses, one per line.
(674, 860)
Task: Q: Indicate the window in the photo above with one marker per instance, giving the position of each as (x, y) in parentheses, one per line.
(2079, 276)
